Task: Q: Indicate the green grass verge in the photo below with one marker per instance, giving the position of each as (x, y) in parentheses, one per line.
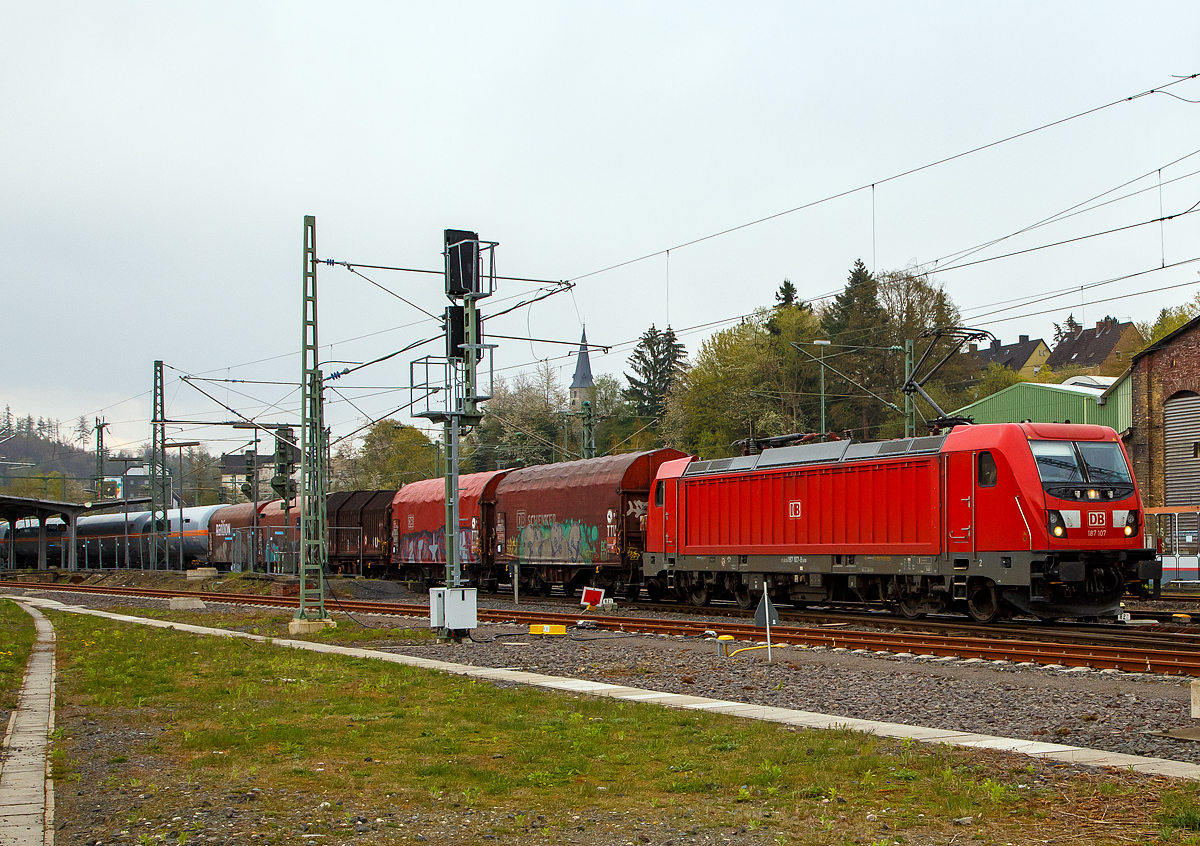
(16, 642)
(241, 714)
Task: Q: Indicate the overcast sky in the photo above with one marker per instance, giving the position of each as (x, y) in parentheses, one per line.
(157, 160)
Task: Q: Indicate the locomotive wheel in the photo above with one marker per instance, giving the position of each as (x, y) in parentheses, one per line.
(632, 592)
(982, 604)
(743, 597)
(698, 595)
(909, 606)
(655, 590)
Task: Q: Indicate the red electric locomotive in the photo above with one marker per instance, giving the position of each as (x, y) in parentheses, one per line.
(993, 520)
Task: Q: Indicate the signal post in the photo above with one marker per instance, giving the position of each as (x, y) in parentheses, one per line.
(448, 391)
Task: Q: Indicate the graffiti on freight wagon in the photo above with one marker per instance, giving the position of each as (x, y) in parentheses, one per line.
(567, 542)
(430, 547)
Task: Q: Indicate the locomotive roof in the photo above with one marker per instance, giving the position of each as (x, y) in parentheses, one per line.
(832, 452)
(823, 453)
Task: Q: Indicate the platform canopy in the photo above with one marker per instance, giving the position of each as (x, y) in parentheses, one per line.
(15, 508)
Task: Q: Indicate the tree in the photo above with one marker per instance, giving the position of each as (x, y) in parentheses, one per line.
(657, 361)
(391, 455)
(1069, 329)
(854, 320)
(1169, 319)
(522, 423)
(83, 429)
(727, 394)
(786, 295)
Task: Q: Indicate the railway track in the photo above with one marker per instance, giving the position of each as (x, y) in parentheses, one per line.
(1130, 651)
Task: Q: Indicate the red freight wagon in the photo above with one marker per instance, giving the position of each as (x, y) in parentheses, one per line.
(419, 528)
(578, 523)
(963, 520)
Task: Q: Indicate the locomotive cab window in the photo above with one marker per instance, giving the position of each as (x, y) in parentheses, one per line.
(987, 470)
(658, 494)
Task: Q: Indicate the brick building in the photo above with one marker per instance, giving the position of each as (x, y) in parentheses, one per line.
(1165, 443)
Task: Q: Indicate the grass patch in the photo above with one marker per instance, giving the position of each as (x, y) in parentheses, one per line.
(240, 714)
(15, 646)
(1180, 809)
(274, 624)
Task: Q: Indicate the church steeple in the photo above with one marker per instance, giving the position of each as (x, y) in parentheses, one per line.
(582, 382)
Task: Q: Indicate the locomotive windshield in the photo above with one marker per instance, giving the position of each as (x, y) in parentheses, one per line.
(1081, 462)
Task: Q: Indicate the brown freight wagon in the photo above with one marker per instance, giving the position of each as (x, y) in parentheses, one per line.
(579, 523)
(359, 531)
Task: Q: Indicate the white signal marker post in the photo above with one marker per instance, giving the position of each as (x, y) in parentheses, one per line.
(765, 616)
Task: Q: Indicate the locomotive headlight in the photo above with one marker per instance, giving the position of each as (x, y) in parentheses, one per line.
(1093, 494)
(1131, 524)
(1058, 528)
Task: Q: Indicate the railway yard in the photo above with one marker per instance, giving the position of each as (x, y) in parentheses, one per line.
(1078, 686)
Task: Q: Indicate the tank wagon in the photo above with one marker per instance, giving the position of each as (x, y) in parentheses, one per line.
(991, 520)
(103, 542)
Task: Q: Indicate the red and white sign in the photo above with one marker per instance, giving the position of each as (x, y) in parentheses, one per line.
(592, 596)
(794, 509)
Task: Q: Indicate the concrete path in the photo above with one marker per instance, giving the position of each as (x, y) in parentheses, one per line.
(26, 791)
(808, 719)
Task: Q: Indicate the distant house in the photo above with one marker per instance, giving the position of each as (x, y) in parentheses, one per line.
(1105, 350)
(1025, 356)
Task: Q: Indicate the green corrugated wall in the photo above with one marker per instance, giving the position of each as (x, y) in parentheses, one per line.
(1053, 404)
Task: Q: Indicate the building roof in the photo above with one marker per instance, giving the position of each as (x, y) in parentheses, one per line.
(1043, 404)
(1013, 356)
(1088, 347)
(583, 367)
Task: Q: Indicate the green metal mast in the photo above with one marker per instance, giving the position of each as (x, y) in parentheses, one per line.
(910, 402)
(159, 491)
(589, 430)
(314, 549)
(100, 427)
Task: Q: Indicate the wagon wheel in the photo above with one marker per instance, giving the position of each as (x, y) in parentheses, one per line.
(909, 606)
(540, 586)
(982, 604)
(569, 589)
(742, 596)
(698, 595)
(633, 592)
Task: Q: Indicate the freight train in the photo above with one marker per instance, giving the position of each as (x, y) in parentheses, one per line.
(990, 520)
